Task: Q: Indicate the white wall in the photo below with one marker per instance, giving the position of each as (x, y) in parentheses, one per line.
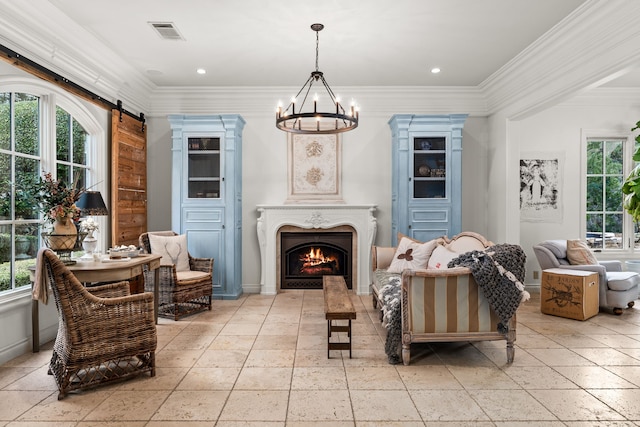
(366, 175)
(558, 130)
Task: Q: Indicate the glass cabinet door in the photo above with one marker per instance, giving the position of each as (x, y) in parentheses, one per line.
(204, 168)
(429, 167)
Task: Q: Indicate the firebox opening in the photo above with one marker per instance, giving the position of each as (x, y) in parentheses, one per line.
(306, 257)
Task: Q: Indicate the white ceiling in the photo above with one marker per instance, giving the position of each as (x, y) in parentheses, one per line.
(364, 42)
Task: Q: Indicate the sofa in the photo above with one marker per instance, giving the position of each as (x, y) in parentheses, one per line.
(442, 302)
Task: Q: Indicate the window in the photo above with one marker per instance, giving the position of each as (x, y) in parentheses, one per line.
(23, 144)
(608, 227)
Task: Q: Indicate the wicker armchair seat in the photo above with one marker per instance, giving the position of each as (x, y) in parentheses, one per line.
(104, 333)
(181, 293)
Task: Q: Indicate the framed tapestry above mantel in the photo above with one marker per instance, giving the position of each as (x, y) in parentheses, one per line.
(314, 168)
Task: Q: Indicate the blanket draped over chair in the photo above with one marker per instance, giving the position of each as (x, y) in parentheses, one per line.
(499, 271)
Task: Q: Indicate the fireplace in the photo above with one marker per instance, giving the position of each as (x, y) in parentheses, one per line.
(273, 220)
(307, 256)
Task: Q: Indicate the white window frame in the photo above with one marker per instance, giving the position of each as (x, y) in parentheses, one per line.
(50, 96)
(627, 166)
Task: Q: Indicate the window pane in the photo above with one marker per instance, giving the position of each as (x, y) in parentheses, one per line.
(594, 230)
(27, 172)
(5, 257)
(594, 193)
(26, 248)
(614, 157)
(5, 120)
(5, 186)
(63, 135)
(63, 173)
(594, 157)
(80, 175)
(614, 194)
(27, 125)
(79, 141)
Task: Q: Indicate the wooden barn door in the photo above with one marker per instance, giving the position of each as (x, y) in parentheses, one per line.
(128, 179)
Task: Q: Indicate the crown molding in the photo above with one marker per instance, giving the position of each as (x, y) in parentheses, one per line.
(619, 97)
(263, 100)
(25, 27)
(596, 43)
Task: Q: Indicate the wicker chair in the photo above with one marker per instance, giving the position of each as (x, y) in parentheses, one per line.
(182, 293)
(104, 333)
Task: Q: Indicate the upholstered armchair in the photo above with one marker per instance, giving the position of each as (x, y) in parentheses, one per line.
(617, 288)
(104, 334)
(186, 284)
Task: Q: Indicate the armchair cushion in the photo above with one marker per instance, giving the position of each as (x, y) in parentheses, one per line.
(411, 255)
(578, 253)
(621, 280)
(186, 276)
(173, 250)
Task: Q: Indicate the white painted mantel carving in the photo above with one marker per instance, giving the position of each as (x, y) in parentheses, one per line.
(272, 218)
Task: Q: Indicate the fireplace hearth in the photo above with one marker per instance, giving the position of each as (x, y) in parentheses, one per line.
(307, 256)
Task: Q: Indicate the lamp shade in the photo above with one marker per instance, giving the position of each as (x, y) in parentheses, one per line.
(91, 203)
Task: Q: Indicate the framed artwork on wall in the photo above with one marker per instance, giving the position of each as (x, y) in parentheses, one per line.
(540, 187)
(314, 168)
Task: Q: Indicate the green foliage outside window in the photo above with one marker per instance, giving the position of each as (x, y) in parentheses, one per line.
(20, 170)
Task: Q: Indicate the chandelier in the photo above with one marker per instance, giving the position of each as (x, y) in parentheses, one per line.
(313, 121)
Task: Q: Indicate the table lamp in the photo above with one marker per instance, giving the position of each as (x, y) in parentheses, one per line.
(91, 203)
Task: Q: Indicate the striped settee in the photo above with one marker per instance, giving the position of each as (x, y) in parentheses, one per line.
(442, 305)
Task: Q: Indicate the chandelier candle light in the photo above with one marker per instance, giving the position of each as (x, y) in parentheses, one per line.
(315, 122)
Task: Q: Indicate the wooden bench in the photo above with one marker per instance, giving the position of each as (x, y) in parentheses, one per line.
(337, 306)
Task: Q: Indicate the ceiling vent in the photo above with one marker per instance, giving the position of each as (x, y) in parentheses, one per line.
(166, 30)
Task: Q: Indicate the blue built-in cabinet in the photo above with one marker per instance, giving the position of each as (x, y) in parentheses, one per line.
(427, 175)
(206, 193)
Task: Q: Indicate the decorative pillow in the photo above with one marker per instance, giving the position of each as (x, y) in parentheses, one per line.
(578, 253)
(412, 255)
(441, 257)
(173, 250)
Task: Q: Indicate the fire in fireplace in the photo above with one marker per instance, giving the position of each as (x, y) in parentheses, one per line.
(306, 257)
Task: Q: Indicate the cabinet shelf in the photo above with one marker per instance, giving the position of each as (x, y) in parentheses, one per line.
(203, 179)
(201, 152)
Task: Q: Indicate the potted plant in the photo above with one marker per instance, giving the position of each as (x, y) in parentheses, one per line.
(631, 185)
(58, 203)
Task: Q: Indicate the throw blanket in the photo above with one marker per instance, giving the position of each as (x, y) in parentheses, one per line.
(40, 290)
(499, 272)
(391, 318)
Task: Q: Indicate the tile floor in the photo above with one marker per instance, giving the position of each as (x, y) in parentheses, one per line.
(262, 361)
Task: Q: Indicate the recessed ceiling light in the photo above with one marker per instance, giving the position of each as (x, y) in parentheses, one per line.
(435, 70)
(201, 71)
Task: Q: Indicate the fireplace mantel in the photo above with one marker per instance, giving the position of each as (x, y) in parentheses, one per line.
(273, 217)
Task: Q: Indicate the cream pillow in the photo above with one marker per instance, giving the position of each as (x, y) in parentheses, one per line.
(173, 250)
(441, 257)
(579, 253)
(411, 255)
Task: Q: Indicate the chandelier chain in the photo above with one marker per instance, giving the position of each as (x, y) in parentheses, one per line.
(317, 47)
